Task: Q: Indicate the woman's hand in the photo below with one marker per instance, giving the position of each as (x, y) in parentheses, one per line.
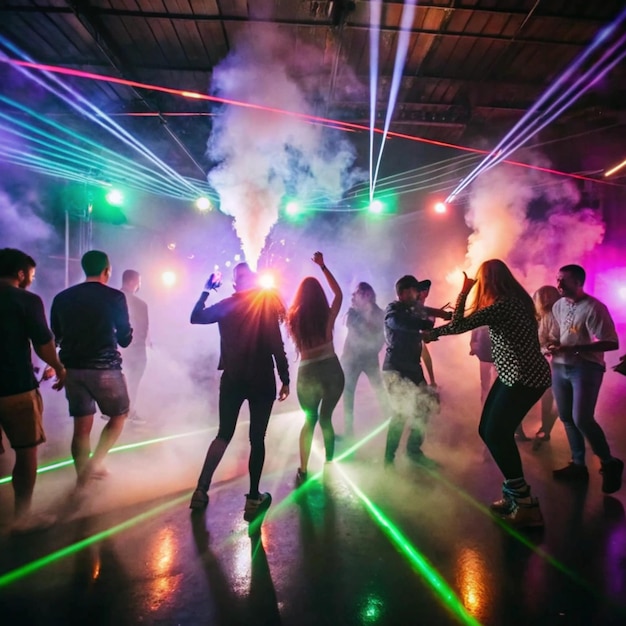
(318, 258)
(468, 283)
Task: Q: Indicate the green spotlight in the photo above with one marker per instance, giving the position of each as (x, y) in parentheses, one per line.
(293, 208)
(115, 197)
(376, 207)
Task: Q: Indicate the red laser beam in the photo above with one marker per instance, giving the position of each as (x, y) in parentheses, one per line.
(305, 116)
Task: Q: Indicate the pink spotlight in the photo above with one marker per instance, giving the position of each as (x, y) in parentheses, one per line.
(441, 207)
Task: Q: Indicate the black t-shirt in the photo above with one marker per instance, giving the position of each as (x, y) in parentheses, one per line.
(22, 320)
(89, 320)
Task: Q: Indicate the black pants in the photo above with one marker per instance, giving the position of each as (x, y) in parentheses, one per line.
(233, 393)
(504, 409)
(353, 367)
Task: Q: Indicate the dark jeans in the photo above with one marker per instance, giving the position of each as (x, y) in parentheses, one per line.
(353, 368)
(504, 409)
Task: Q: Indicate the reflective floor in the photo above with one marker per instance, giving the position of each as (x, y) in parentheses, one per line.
(358, 544)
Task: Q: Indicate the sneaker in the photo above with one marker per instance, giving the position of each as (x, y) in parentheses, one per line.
(300, 477)
(199, 500)
(572, 472)
(256, 506)
(612, 475)
(524, 514)
(32, 523)
(138, 421)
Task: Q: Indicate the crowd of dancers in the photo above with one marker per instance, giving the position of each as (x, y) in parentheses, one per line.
(556, 339)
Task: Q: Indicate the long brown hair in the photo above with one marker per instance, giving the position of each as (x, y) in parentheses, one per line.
(307, 317)
(544, 299)
(494, 281)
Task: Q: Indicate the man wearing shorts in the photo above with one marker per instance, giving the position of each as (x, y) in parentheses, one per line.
(22, 322)
(89, 321)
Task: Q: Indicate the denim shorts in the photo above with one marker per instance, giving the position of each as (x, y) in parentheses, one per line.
(106, 388)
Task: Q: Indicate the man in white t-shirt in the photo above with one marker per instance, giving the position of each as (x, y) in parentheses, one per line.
(586, 331)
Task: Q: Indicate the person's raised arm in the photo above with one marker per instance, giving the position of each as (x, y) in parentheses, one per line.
(335, 306)
(200, 314)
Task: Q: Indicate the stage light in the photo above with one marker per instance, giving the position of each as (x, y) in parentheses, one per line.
(441, 207)
(376, 206)
(267, 281)
(622, 293)
(292, 208)
(203, 204)
(171, 246)
(237, 258)
(168, 278)
(115, 197)
(228, 264)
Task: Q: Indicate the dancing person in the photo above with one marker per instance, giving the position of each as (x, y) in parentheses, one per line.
(403, 376)
(89, 321)
(503, 305)
(135, 356)
(544, 299)
(22, 324)
(310, 321)
(360, 352)
(585, 332)
(250, 346)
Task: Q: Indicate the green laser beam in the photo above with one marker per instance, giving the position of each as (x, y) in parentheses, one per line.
(29, 568)
(419, 562)
(509, 529)
(129, 446)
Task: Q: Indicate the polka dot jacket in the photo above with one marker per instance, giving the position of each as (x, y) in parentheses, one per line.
(515, 343)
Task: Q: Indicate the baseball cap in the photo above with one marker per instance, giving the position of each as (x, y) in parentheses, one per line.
(424, 285)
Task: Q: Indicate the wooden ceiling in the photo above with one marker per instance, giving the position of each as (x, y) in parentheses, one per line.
(472, 66)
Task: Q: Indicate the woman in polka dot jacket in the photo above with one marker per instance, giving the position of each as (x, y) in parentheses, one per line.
(503, 305)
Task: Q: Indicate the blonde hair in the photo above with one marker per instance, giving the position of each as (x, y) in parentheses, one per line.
(544, 299)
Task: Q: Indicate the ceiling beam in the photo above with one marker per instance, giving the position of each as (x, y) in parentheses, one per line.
(591, 19)
(97, 12)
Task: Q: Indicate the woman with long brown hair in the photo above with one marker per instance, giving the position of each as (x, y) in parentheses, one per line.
(310, 321)
(503, 305)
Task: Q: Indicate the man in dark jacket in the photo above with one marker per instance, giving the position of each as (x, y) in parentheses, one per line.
(250, 344)
(89, 321)
(405, 319)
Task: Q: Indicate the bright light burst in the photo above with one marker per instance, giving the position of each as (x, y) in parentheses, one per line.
(115, 197)
(168, 278)
(267, 281)
(203, 204)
